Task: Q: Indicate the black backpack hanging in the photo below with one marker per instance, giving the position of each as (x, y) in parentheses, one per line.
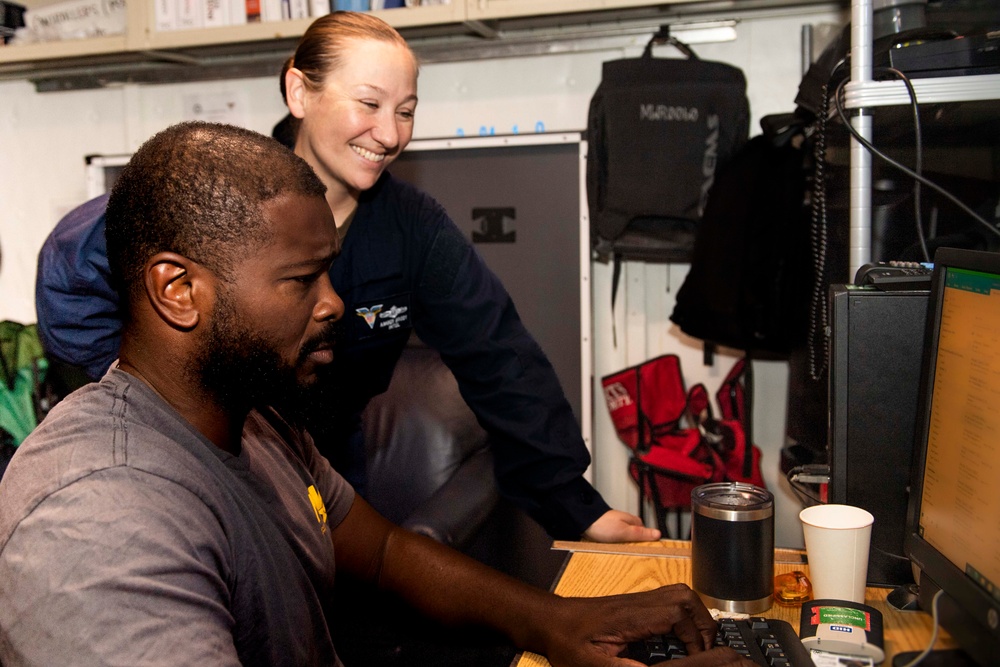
(657, 129)
(751, 271)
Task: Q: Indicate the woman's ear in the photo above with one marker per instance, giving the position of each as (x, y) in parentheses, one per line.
(178, 289)
(295, 92)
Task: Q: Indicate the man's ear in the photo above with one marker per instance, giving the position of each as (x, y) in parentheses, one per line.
(295, 92)
(178, 288)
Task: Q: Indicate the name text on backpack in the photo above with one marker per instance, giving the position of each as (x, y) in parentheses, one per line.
(663, 112)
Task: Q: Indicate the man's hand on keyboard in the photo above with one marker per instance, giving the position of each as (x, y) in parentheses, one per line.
(767, 642)
(585, 632)
(717, 657)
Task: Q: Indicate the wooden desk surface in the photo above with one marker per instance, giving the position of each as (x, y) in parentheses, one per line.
(598, 569)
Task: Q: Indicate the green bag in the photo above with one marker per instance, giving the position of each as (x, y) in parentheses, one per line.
(23, 366)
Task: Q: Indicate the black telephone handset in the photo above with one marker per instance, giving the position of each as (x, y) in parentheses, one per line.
(896, 276)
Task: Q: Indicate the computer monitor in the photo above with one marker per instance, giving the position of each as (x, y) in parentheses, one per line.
(953, 521)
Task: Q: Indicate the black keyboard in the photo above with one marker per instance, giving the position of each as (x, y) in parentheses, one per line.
(769, 642)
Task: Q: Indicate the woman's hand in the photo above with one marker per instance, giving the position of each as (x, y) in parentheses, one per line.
(618, 526)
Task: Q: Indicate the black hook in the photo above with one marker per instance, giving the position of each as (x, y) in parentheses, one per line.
(662, 36)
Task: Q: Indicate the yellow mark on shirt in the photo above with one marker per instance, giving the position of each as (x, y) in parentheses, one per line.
(318, 507)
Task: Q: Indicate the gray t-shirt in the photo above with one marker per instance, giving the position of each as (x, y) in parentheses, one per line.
(127, 538)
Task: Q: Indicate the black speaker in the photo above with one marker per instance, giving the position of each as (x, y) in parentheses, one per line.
(876, 346)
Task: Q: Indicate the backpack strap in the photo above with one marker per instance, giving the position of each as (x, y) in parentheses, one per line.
(616, 275)
(663, 36)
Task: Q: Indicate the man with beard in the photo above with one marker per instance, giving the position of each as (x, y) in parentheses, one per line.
(166, 515)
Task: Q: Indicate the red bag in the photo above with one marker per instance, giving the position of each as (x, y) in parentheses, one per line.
(676, 443)
(646, 400)
(676, 464)
(647, 403)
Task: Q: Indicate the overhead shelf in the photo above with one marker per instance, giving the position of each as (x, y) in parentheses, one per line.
(462, 29)
(970, 88)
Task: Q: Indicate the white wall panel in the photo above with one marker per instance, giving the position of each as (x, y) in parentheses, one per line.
(516, 95)
(43, 140)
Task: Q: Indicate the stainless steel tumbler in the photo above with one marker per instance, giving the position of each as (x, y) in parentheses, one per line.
(732, 546)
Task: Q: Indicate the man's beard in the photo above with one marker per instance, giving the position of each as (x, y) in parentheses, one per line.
(242, 368)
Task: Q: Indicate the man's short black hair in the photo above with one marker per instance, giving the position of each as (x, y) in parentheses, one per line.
(198, 189)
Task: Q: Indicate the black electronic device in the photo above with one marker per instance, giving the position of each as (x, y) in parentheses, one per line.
(896, 276)
(876, 345)
(769, 642)
(957, 56)
(953, 520)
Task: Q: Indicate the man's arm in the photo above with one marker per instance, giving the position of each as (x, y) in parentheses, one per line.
(456, 590)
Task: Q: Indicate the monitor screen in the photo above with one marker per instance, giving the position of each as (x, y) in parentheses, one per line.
(953, 526)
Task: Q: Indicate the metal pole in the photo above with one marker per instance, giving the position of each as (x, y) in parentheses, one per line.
(861, 181)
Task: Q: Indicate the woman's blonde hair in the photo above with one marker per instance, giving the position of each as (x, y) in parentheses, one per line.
(320, 50)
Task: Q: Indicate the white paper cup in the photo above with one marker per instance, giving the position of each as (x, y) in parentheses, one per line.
(837, 540)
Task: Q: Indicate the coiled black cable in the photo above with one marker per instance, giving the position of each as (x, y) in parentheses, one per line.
(816, 337)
